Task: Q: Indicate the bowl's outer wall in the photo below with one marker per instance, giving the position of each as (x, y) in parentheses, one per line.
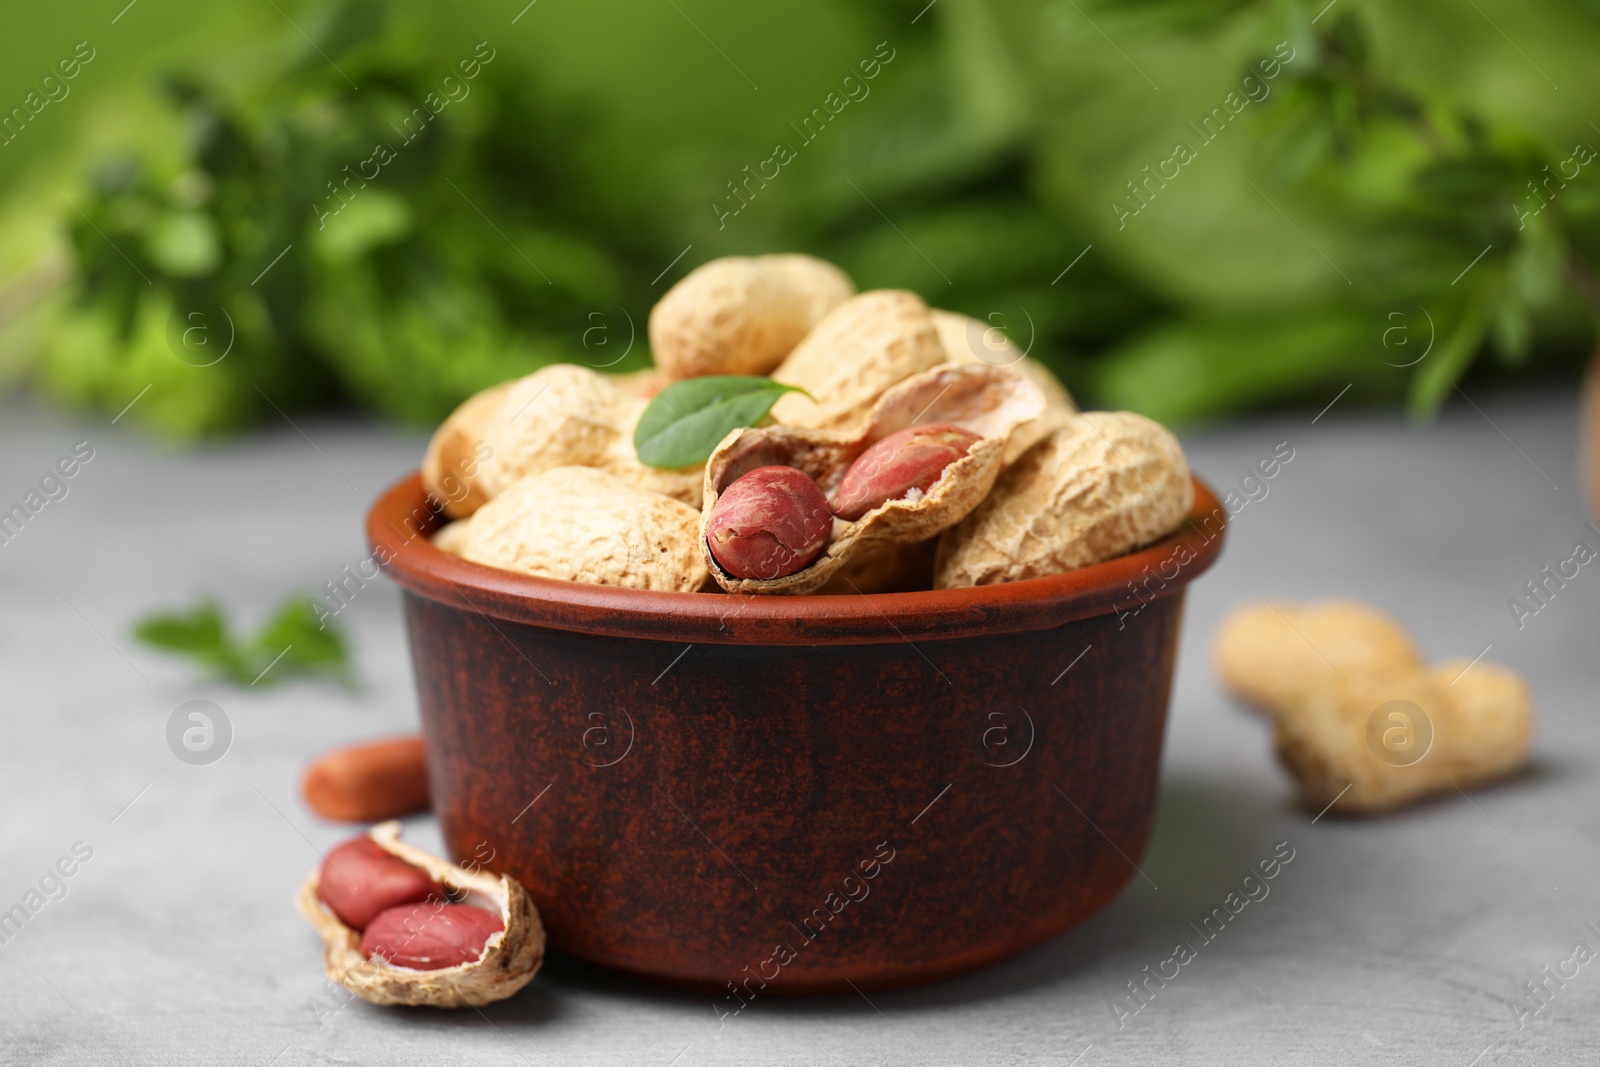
(683, 810)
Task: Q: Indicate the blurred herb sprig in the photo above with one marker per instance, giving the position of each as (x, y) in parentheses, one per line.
(292, 642)
(518, 229)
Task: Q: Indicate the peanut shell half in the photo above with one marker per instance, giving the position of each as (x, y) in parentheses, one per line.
(991, 402)
(510, 958)
(969, 340)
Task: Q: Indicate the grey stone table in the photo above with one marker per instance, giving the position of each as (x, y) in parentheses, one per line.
(1405, 940)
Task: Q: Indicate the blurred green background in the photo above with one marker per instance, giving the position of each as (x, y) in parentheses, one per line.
(1189, 208)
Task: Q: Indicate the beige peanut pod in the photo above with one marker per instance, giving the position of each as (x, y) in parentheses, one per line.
(452, 465)
(451, 536)
(1266, 652)
(580, 524)
(621, 459)
(742, 315)
(570, 416)
(989, 402)
(1373, 742)
(969, 340)
(1101, 485)
(510, 958)
(855, 354)
(560, 416)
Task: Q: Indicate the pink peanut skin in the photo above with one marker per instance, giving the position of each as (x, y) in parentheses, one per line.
(914, 458)
(769, 523)
(427, 937)
(360, 878)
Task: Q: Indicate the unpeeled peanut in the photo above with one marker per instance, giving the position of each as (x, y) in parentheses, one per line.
(741, 315)
(1378, 741)
(359, 879)
(899, 465)
(1266, 652)
(1362, 723)
(369, 782)
(452, 465)
(1099, 486)
(570, 416)
(769, 523)
(580, 524)
(560, 416)
(859, 349)
(429, 937)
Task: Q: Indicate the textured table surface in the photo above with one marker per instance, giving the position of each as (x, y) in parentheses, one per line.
(1404, 940)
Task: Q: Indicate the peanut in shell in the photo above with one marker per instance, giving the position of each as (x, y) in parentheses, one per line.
(510, 958)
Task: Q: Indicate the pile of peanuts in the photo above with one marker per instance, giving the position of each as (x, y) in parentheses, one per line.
(1361, 721)
(919, 450)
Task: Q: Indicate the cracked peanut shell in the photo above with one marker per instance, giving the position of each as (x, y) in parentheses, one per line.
(969, 340)
(510, 959)
(1099, 486)
(991, 402)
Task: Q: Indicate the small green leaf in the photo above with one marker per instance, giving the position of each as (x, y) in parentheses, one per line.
(293, 641)
(688, 419)
(306, 644)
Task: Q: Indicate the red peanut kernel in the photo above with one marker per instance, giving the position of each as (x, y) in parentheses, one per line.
(894, 467)
(430, 936)
(770, 523)
(360, 878)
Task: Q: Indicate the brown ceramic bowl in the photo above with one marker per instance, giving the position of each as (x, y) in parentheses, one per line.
(793, 794)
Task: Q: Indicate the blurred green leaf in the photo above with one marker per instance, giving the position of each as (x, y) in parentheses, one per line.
(296, 640)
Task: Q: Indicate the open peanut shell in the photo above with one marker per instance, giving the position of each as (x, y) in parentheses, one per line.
(510, 958)
(993, 402)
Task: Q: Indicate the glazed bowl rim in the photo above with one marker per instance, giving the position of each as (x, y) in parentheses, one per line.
(400, 521)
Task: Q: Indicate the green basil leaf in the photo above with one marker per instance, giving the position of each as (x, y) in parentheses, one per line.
(688, 419)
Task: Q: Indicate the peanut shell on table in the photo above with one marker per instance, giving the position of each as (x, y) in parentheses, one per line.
(856, 353)
(991, 402)
(742, 315)
(510, 958)
(580, 524)
(1099, 486)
